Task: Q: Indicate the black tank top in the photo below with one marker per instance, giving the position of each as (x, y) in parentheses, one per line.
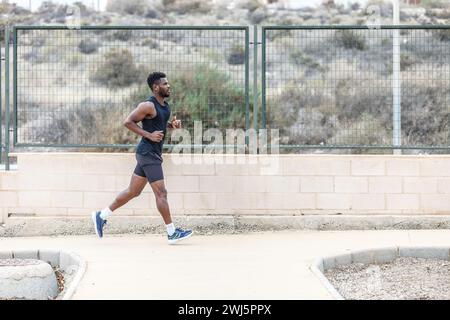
(158, 123)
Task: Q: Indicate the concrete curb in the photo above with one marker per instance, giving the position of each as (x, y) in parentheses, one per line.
(70, 262)
(81, 270)
(317, 269)
(82, 225)
(373, 256)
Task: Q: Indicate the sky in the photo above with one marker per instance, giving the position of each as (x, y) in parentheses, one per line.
(101, 4)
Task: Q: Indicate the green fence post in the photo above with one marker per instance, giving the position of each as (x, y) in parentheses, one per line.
(247, 85)
(263, 80)
(7, 39)
(15, 86)
(255, 77)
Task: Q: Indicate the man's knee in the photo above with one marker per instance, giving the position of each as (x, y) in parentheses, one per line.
(133, 193)
(161, 193)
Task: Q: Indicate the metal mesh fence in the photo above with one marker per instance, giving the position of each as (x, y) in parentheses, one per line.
(75, 87)
(425, 72)
(323, 87)
(349, 87)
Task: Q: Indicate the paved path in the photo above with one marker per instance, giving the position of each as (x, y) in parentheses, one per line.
(267, 265)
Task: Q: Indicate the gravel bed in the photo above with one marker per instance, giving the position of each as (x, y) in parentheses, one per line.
(402, 279)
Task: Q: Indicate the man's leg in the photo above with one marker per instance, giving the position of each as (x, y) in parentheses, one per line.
(174, 234)
(137, 184)
(159, 189)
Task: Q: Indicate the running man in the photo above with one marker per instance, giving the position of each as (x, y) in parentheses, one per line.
(154, 115)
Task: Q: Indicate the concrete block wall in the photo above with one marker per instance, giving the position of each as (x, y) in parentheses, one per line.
(74, 184)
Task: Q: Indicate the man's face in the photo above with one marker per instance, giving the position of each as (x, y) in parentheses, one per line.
(163, 88)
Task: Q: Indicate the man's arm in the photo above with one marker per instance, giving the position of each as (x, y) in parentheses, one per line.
(143, 110)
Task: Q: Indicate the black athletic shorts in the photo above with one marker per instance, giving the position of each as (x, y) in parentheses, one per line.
(149, 166)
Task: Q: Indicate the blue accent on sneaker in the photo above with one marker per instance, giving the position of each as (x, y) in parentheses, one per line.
(178, 235)
(99, 223)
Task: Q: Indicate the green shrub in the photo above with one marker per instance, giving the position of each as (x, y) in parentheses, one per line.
(88, 46)
(117, 69)
(350, 39)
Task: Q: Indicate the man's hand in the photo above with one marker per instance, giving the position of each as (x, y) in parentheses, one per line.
(155, 136)
(176, 124)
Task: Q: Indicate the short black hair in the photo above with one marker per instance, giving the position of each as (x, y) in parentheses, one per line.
(154, 77)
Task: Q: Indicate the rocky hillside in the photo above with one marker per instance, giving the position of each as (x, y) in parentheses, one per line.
(243, 12)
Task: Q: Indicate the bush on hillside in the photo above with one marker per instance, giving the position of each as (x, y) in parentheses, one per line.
(350, 39)
(117, 69)
(88, 46)
(237, 55)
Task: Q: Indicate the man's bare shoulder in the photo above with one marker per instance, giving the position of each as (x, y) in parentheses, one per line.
(147, 108)
(146, 105)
